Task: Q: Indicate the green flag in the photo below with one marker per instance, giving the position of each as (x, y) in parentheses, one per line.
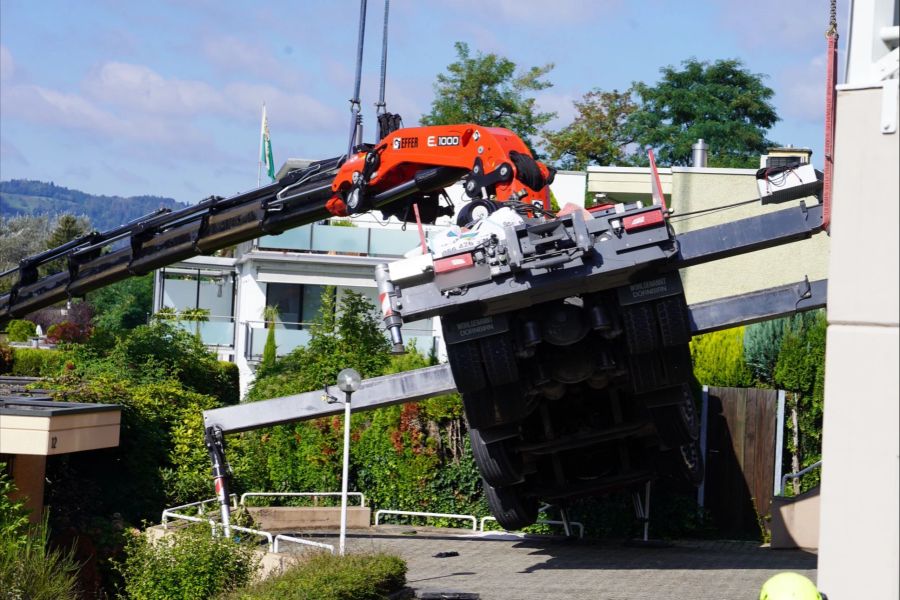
(266, 147)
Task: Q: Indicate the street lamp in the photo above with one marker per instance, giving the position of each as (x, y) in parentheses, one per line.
(348, 382)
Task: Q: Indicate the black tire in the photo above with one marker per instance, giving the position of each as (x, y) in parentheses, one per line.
(512, 509)
(466, 366)
(641, 331)
(675, 416)
(498, 465)
(693, 467)
(674, 323)
(499, 358)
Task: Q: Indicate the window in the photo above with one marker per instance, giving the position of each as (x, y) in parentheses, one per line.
(296, 303)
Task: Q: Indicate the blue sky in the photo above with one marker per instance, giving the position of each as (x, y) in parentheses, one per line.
(164, 97)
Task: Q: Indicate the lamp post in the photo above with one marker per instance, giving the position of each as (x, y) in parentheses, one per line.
(348, 382)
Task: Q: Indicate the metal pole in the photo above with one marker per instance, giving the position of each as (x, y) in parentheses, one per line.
(355, 120)
(779, 443)
(704, 434)
(345, 473)
(647, 512)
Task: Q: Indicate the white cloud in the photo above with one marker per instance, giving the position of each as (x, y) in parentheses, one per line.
(140, 88)
(561, 104)
(7, 64)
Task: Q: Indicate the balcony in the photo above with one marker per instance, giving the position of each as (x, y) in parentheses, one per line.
(367, 241)
(217, 331)
(289, 336)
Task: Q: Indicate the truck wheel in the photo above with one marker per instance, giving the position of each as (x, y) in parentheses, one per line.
(674, 323)
(466, 366)
(498, 465)
(641, 330)
(692, 466)
(499, 358)
(510, 507)
(675, 415)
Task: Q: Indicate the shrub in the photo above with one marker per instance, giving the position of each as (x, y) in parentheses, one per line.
(19, 330)
(230, 392)
(32, 362)
(328, 577)
(6, 359)
(719, 359)
(188, 564)
(68, 333)
(28, 567)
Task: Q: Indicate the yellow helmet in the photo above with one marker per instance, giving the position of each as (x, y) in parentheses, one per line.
(789, 586)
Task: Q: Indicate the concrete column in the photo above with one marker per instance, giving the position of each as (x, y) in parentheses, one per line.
(860, 502)
(28, 472)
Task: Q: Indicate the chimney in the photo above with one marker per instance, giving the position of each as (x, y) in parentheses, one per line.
(698, 153)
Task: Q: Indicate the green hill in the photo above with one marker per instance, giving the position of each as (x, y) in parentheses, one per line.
(26, 197)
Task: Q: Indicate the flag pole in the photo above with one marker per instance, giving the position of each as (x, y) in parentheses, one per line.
(262, 131)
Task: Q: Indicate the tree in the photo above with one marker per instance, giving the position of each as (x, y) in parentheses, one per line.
(197, 316)
(123, 305)
(721, 102)
(597, 135)
(20, 237)
(68, 227)
(270, 350)
(485, 89)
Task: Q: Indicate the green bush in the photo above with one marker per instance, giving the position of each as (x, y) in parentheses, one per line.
(230, 376)
(719, 359)
(20, 330)
(34, 362)
(28, 567)
(328, 577)
(188, 564)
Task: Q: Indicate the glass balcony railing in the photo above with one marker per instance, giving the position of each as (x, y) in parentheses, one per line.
(289, 336)
(217, 331)
(370, 241)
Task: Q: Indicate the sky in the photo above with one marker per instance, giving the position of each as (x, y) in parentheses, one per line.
(164, 97)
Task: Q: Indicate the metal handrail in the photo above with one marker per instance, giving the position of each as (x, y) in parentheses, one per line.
(798, 474)
(426, 514)
(296, 540)
(577, 524)
(170, 512)
(166, 514)
(264, 534)
(362, 498)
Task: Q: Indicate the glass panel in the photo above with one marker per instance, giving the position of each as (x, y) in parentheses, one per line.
(215, 332)
(393, 242)
(215, 295)
(285, 340)
(292, 239)
(180, 293)
(286, 298)
(312, 302)
(340, 239)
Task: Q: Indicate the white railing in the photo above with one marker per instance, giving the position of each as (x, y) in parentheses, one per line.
(426, 514)
(314, 495)
(562, 524)
(296, 540)
(171, 512)
(258, 532)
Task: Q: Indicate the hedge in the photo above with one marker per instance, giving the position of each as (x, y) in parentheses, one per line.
(33, 362)
(327, 577)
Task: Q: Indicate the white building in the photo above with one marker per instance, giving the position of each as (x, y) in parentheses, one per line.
(291, 271)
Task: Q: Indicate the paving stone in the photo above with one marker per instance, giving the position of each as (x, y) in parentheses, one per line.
(532, 568)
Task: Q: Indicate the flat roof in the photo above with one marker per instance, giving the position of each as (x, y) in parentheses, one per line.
(44, 406)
